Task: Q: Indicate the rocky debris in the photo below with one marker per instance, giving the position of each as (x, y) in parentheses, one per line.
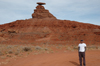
(40, 12)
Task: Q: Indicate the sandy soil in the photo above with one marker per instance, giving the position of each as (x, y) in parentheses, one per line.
(68, 58)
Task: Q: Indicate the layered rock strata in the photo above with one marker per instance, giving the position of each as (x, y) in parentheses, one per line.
(40, 12)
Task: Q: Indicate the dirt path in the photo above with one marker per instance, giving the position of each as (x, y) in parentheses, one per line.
(69, 58)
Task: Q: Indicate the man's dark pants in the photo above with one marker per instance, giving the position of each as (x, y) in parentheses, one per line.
(82, 55)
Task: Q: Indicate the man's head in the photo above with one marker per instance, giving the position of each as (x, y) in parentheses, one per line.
(81, 41)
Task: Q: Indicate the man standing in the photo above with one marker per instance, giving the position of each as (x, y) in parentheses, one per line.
(81, 50)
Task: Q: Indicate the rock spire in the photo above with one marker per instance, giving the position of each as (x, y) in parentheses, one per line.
(40, 12)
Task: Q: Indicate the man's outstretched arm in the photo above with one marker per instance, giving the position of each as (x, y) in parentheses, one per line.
(85, 49)
(78, 49)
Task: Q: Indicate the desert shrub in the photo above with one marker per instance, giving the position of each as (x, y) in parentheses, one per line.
(9, 55)
(45, 49)
(75, 47)
(10, 51)
(27, 49)
(38, 48)
(68, 48)
(17, 52)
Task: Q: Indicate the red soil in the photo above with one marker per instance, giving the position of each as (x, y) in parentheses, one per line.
(69, 58)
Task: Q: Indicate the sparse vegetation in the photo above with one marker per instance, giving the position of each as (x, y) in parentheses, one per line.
(16, 53)
(27, 49)
(45, 49)
(75, 47)
(38, 48)
(17, 49)
(92, 47)
(8, 51)
(68, 48)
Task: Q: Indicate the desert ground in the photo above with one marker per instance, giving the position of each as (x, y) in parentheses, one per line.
(52, 55)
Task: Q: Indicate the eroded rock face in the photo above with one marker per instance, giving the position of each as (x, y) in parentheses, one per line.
(49, 30)
(40, 12)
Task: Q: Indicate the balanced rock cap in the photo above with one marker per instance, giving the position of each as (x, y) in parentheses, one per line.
(40, 3)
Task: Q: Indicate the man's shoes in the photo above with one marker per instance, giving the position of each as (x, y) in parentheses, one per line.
(84, 65)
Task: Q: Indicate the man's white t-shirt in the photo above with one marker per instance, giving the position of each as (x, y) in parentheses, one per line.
(82, 47)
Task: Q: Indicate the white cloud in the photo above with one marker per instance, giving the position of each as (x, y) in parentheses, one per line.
(78, 10)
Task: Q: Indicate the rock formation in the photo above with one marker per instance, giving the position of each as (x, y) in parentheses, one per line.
(40, 12)
(44, 27)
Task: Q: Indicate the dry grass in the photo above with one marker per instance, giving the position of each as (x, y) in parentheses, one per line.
(18, 49)
(9, 50)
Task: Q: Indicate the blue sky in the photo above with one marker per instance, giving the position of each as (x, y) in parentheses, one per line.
(86, 11)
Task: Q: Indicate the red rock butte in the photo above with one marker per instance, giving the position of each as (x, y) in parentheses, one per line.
(44, 28)
(40, 12)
